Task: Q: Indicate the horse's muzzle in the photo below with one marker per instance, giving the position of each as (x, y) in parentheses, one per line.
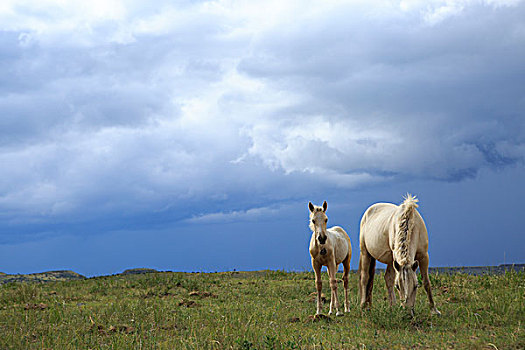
(323, 251)
(322, 240)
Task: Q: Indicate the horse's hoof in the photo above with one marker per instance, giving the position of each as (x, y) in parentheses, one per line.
(339, 313)
(435, 311)
(347, 310)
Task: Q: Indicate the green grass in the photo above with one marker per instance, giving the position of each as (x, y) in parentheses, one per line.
(255, 310)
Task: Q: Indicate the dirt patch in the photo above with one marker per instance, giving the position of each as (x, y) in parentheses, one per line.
(202, 294)
(121, 329)
(31, 306)
(100, 329)
(317, 318)
(188, 303)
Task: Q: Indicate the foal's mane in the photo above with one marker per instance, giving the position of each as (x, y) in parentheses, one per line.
(404, 230)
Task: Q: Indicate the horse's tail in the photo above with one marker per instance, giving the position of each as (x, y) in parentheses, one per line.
(405, 227)
(410, 204)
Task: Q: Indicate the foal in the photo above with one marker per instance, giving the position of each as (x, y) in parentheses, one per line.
(329, 247)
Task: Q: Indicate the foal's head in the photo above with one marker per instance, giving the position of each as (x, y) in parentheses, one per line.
(406, 283)
(318, 220)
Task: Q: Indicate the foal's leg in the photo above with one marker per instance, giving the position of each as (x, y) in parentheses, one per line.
(423, 268)
(318, 284)
(346, 270)
(332, 270)
(390, 277)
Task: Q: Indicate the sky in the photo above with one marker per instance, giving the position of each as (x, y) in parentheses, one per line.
(191, 135)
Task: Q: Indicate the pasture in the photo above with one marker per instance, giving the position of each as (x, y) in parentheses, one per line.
(256, 310)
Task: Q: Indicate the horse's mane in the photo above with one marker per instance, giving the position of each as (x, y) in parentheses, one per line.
(404, 230)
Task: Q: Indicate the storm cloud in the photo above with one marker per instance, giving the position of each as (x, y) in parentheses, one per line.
(197, 112)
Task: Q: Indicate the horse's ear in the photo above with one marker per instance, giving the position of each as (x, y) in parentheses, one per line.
(415, 265)
(325, 206)
(311, 206)
(396, 266)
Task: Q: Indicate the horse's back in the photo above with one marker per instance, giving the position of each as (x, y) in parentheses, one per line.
(376, 214)
(374, 230)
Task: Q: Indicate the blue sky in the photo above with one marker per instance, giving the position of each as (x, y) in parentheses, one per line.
(190, 135)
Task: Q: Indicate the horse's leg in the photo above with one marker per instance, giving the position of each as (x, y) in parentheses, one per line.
(346, 271)
(370, 285)
(390, 277)
(365, 260)
(334, 301)
(318, 284)
(423, 268)
(362, 272)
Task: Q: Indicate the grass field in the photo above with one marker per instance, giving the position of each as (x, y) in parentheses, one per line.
(255, 310)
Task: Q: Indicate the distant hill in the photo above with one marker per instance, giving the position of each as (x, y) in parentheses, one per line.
(48, 276)
(138, 271)
(479, 270)
(66, 275)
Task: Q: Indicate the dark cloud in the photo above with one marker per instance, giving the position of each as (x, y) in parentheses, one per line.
(444, 95)
(143, 117)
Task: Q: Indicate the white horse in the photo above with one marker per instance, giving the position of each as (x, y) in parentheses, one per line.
(329, 247)
(396, 236)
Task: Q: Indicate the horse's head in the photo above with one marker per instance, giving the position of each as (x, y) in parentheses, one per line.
(318, 220)
(406, 283)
